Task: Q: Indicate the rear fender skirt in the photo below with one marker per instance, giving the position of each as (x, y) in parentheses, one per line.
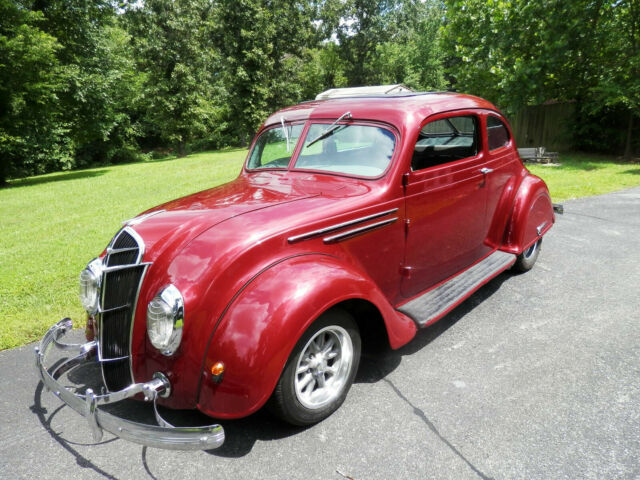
(262, 325)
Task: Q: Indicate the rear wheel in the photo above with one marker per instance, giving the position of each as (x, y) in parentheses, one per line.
(320, 370)
(528, 258)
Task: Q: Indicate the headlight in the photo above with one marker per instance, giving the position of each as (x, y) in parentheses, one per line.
(90, 279)
(165, 318)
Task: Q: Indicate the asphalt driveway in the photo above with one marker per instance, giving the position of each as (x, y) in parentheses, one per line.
(535, 376)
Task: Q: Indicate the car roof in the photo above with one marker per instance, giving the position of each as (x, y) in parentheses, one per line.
(396, 109)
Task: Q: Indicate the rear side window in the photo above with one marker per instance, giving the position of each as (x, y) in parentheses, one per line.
(497, 132)
(445, 140)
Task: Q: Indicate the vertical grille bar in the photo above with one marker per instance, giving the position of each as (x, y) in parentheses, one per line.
(118, 302)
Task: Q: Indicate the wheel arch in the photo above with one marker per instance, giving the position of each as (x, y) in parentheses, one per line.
(531, 216)
(259, 330)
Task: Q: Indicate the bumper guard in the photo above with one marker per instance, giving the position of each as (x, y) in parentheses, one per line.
(164, 435)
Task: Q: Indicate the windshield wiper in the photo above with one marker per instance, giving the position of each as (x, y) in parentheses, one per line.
(332, 128)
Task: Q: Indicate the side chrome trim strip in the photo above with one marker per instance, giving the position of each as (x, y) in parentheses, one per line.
(333, 228)
(358, 231)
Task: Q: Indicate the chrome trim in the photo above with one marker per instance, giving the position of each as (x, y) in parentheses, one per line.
(486, 170)
(114, 309)
(133, 314)
(95, 267)
(333, 228)
(107, 360)
(105, 270)
(358, 231)
(133, 308)
(124, 267)
(141, 218)
(163, 435)
(120, 250)
(540, 227)
(135, 236)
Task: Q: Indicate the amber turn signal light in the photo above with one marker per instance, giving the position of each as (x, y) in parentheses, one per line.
(217, 368)
(217, 371)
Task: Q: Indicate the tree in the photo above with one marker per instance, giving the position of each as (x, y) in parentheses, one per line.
(413, 56)
(32, 133)
(259, 43)
(618, 64)
(178, 62)
(362, 25)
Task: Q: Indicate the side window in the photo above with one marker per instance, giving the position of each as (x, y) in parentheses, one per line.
(445, 140)
(497, 132)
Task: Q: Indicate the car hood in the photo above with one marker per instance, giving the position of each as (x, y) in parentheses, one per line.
(175, 223)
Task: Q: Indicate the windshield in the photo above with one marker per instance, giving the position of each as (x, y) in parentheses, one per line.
(362, 150)
(275, 146)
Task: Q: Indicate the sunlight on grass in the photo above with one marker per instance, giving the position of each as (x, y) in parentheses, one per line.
(52, 225)
(585, 175)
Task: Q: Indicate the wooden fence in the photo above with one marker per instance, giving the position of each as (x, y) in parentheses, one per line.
(546, 126)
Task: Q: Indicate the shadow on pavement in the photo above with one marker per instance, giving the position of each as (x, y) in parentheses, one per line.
(242, 434)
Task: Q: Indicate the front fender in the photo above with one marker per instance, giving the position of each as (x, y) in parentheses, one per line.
(265, 320)
(531, 217)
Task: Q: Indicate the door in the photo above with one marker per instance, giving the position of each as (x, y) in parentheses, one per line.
(445, 202)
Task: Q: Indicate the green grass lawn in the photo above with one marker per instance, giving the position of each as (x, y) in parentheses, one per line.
(52, 225)
(580, 175)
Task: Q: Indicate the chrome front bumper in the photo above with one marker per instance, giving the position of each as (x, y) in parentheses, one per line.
(163, 435)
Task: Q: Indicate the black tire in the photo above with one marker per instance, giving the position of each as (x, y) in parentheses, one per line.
(528, 258)
(312, 403)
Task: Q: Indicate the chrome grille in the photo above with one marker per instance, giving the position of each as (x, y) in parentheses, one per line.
(121, 281)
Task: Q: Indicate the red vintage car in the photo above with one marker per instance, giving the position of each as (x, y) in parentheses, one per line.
(354, 220)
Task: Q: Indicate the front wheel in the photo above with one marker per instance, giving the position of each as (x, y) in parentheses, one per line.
(320, 370)
(528, 257)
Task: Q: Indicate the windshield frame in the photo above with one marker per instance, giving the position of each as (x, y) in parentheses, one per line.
(303, 137)
(275, 126)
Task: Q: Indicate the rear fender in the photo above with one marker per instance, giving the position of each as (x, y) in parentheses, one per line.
(262, 324)
(531, 217)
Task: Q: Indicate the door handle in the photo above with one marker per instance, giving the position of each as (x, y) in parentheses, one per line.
(486, 170)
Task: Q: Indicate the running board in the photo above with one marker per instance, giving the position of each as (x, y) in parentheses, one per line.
(435, 303)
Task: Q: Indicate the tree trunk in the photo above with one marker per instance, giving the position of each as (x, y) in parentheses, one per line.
(628, 147)
(182, 150)
(3, 174)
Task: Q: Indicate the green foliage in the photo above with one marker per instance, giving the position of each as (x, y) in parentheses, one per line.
(414, 56)
(32, 132)
(178, 62)
(259, 42)
(85, 82)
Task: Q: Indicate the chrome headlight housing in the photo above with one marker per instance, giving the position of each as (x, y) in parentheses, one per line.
(90, 281)
(165, 319)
